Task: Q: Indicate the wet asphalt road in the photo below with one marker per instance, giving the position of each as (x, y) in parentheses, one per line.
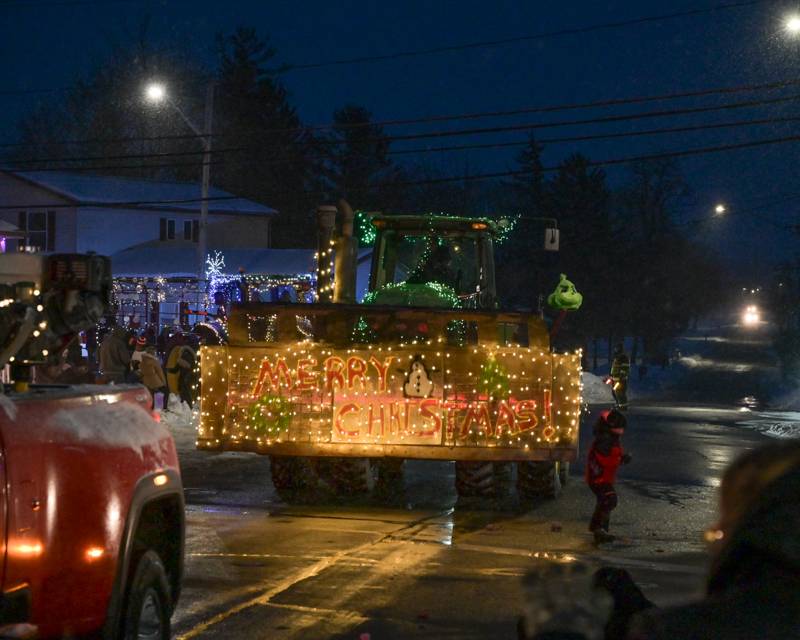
(432, 568)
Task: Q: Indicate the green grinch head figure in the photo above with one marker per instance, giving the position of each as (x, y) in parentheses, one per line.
(565, 297)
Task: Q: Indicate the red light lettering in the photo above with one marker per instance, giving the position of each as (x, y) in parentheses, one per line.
(306, 380)
(356, 370)
(341, 414)
(382, 370)
(334, 372)
(273, 376)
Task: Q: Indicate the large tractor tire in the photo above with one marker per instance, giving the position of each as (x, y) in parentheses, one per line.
(389, 481)
(538, 480)
(482, 479)
(294, 478)
(348, 477)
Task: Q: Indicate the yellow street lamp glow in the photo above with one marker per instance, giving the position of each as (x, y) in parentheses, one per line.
(155, 92)
(792, 24)
(720, 209)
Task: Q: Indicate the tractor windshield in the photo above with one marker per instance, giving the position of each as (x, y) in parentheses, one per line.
(456, 260)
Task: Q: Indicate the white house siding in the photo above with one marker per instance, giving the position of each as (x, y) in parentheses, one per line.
(239, 232)
(24, 196)
(107, 231)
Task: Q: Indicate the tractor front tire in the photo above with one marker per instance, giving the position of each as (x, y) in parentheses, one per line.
(538, 480)
(482, 479)
(349, 477)
(294, 478)
(389, 481)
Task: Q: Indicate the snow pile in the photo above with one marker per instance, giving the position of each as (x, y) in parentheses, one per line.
(181, 422)
(775, 424)
(119, 425)
(595, 391)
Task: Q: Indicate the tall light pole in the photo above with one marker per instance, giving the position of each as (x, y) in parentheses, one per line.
(156, 93)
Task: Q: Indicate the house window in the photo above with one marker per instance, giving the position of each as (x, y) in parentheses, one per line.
(39, 228)
(191, 230)
(166, 230)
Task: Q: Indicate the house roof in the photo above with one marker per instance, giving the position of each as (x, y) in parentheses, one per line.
(179, 259)
(10, 230)
(93, 190)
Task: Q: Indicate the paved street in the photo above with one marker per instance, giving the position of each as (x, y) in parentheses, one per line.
(257, 568)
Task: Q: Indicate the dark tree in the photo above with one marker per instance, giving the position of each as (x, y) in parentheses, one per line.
(359, 168)
(253, 113)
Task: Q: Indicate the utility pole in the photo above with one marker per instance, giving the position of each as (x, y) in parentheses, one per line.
(202, 232)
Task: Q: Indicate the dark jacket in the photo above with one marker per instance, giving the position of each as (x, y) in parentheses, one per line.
(620, 366)
(114, 353)
(754, 585)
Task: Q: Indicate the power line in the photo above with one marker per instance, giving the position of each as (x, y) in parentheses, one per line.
(443, 118)
(478, 176)
(478, 131)
(420, 150)
(526, 38)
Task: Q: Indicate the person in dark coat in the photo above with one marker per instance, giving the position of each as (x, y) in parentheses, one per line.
(115, 355)
(753, 589)
(620, 372)
(604, 458)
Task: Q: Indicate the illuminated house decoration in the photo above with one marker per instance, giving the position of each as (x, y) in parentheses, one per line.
(154, 273)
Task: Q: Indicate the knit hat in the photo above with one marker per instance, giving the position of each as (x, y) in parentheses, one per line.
(141, 341)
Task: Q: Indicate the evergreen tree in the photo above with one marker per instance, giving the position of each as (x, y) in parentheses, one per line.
(359, 168)
(529, 187)
(253, 112)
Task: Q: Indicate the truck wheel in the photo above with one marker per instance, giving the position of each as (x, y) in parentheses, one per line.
(483, 479)
(148, 604)
(389, 483)
(293, 477)
(349, 476)
(537, 480)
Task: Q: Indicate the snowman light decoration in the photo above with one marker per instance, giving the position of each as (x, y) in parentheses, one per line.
(418, 383)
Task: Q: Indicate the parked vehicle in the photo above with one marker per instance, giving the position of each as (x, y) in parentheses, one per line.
(90, 489)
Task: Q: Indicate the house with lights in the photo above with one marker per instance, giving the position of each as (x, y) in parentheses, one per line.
(150, 230)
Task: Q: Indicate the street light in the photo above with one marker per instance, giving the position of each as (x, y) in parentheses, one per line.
(720, 209)
(792, 24)
(156, 93)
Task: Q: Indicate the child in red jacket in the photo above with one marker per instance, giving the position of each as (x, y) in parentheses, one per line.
(605, 456)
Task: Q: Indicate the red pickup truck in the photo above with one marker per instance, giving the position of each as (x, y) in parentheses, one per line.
(91, 502)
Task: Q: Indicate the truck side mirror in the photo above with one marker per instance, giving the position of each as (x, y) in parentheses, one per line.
(551, 238)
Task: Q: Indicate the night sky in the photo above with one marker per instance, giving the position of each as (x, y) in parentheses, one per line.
(45, 45)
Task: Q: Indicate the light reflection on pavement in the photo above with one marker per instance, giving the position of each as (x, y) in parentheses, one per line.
(434, 568)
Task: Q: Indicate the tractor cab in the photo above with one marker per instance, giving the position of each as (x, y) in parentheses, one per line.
(456, 253)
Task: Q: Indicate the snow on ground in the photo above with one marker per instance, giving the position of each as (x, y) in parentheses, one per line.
(595, 391)
(776, 424)
(181, 422)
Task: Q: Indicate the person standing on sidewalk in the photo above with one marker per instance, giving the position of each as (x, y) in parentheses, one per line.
(604, 458)
(114, 354)
(620, 371)
(153, 375)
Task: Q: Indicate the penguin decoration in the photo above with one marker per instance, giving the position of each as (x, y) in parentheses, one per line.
(418, 383)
